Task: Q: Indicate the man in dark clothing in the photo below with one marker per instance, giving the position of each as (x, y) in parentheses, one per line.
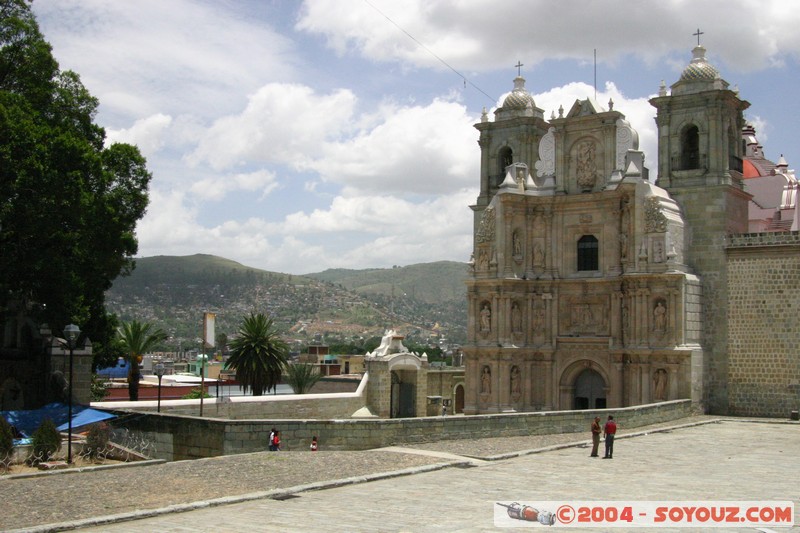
(595, 436)
(609, 431)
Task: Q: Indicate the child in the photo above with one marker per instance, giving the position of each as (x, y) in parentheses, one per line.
(276, 441)
(314, 443)
(271, 438)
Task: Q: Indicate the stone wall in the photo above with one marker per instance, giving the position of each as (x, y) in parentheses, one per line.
(176, 437)
(280, 406)
(764, 324)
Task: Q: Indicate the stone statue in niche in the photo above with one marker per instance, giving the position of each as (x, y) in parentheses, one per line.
(516, 318)
(660, 317)
(658, 252)
(538, 319)
(486, 318)
(486, 381)
(586, 165)
(538, 255)
(516, 245)
(660, 385)
(483, 260)
(516, 388)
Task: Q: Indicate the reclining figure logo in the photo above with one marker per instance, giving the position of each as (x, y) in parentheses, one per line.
(529, 514)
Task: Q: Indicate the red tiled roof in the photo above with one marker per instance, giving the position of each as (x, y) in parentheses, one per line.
(754, 167)
(749, 170)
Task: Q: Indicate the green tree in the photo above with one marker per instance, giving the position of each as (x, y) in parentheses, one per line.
(302, 377)
(138, 338)
(97, 389)
(6, 443)
(68, 203)
(258, 354)
(45, 442)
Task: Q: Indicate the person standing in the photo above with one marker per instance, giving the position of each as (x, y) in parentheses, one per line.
(276, 442)
(609, 432)
(314, 443)
(595, 436)
(271, 438)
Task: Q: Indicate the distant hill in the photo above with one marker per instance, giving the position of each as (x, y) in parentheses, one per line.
(426, 282)
(173, 292)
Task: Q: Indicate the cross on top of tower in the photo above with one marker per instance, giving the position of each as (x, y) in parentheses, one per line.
(697, 34)
(519, 66)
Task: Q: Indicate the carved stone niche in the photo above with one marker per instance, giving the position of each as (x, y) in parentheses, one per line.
(586, 164)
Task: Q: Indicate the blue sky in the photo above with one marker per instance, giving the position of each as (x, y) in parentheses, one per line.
(298, 136)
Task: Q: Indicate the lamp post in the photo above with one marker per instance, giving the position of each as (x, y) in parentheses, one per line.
(71, 333)
(160, 374)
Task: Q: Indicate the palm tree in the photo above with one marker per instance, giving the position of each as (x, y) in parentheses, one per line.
(138, 338)
(257, 354)
(302, 377)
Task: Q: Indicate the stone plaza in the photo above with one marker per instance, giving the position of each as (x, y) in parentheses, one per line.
(697, 459)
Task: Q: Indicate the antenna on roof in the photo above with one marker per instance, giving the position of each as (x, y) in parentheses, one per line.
(595, 73)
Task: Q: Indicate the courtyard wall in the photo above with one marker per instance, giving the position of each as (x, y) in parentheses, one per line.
(175, 437)
(763, 321)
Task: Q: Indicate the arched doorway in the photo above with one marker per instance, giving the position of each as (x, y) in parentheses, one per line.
(589, 391)
(459, 406)
(402, 395)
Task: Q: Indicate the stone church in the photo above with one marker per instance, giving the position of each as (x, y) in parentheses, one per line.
(593, 287)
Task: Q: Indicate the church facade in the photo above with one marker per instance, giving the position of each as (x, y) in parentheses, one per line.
(592, 286)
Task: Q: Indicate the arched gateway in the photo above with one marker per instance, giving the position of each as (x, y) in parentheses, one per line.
(589, 391)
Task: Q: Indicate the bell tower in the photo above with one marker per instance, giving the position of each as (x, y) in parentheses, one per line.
(700, 164)
(513, 137)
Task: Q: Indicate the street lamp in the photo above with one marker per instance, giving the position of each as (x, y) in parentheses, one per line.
(160, 374)
(71, 333)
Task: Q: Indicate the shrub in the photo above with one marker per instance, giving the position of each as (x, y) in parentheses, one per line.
(97, 440)
(6, 443)
(195, 394)
(46, 442)
(98, 389)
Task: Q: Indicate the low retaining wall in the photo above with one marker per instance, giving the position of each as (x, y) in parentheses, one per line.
(175, 437)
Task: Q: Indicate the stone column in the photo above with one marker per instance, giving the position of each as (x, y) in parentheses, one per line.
(471, 386)
(508, 244)
(494, 400)
(529, 235)
(550, 385)
(549, 328)
(549, 265)
(504, 391)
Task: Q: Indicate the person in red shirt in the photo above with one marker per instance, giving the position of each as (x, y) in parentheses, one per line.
(609, 431)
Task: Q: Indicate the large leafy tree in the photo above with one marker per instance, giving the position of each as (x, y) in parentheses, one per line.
(68, 203)
(137, 339)
(258, 354)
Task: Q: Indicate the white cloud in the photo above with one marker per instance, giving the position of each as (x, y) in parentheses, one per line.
(415, 150)
(173, 55)
(475, 34)
(283, 123)
(215, 188)
(146, 133)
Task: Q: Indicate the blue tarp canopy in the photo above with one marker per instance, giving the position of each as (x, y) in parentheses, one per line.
(120, 370)
(26, 422)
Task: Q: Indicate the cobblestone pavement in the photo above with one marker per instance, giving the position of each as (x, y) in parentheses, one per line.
(449, 499)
